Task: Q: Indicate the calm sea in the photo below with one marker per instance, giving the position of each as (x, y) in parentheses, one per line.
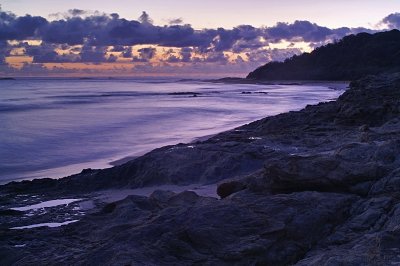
(57, 127)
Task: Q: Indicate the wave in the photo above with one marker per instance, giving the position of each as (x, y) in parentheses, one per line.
(22, 107)
(54, 101)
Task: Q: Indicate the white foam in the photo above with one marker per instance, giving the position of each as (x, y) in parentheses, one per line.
(44, 225)
(46, 204)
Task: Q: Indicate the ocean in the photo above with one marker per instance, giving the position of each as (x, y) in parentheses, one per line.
(57, 127)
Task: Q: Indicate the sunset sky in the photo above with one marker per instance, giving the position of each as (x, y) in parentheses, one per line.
(175, 37)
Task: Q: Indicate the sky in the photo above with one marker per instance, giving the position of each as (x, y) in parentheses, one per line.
(174, 37)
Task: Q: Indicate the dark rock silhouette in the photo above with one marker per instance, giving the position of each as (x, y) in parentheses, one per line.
(352, 57)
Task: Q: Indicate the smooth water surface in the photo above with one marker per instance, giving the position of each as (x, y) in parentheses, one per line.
(57, 127)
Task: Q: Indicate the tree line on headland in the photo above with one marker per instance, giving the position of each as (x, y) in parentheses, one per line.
(350, 58)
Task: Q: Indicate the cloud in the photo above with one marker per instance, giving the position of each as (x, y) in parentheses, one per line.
(244, 46)
(299, 30)
(53, 57)
(77, 12)
(19, 28)
(94, 37)
(175, 21)
(45, 53)
(216, 57)
(127, 52)
(145, 19)
(392, 21)
(93, 54)
(145, 54)
(186, 54)
(74, 31)
(110, 30)
(4, 51)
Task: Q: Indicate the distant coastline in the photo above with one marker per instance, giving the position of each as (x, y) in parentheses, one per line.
(351, 58)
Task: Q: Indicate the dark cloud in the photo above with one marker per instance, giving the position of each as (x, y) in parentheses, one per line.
(226, 39)
(145, 18)
(186, 54)
(112, 59)
(184, 35)
(19, 28)
(392, 21)
(173, 59)
(4, 51)
(77, 12)
(93, 54)
(46, 53)
(90, 36)
(244, 46)
(127, 52)
(175, 21)
(75, 30)
(216, 57)
(145, 54)
(110, 30)
(302, 30)
(118, 48)
(308, 32)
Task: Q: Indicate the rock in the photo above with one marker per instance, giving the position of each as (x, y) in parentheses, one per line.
(227, 188)
(319, 186)
(10, 213)
(319, 173)
(246, 229)
(390, 184)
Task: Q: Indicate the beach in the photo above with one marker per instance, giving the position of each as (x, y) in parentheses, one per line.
(45, 121)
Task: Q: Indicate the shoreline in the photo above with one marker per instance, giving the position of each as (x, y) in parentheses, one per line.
(325, 178)
(128, 158)
(75, 168)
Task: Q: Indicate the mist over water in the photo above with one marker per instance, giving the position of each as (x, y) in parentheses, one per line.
(57, 127)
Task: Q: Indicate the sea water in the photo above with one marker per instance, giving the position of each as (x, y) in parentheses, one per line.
(57, 127)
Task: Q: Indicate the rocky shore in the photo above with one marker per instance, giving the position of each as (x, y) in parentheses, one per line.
(320, 186)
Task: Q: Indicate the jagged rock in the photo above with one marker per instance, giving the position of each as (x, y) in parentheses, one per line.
(184, 229)
(227, 188)
(320, 173)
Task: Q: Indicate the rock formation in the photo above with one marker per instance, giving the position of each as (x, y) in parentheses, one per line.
(320, 186)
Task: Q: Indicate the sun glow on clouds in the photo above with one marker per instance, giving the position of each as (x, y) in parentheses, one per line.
(82, 43)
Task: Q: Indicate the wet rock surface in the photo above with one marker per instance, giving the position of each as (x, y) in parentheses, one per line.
(315, 187)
